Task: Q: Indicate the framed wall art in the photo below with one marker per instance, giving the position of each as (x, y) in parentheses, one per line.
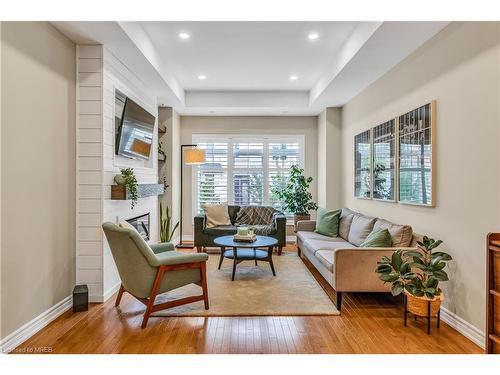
(363, 165)
(384, 161)
(416, 149)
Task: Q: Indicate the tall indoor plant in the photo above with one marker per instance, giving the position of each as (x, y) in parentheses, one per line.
(166, 229)
(296, 196)
(417, 274)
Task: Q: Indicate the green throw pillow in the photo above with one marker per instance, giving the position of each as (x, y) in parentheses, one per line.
(327, 222)
(378, 238)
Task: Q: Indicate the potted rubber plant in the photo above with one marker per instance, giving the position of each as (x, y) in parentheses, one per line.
(417, 274)
(296, 196)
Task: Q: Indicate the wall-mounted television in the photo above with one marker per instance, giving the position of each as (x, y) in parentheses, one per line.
(134, 128)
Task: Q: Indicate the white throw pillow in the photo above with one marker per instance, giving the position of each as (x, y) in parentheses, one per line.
(217, 214)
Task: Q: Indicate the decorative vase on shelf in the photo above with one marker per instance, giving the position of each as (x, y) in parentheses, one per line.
(119, 179)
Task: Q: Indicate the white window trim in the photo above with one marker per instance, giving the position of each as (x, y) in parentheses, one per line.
(230, 139)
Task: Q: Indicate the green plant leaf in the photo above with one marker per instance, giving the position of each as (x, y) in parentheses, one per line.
(413, 253)
(389, 277)
(397, 288)
(383, 268)
(440, 275)
(435, 244)
(409, 276)
(396, 260)
(435, 261)
(420, 266)
(405, 268)
(439, 266)
(418, 260)
(444, 256)
(432, 282)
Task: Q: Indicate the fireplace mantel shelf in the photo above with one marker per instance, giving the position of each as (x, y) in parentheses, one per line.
(120, 192)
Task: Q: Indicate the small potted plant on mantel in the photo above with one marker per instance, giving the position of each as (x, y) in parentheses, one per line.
(417, 274)
(127, 178)
(296, 196)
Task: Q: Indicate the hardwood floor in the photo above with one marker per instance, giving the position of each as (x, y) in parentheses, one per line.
(369, 323)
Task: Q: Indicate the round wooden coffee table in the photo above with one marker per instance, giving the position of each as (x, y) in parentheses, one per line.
(241, 251)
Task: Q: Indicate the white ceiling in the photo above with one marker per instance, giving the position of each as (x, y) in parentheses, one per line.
(248, 64)
(248, 55)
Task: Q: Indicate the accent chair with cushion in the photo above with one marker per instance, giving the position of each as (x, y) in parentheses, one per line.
(343, 261)
(147, 271)
(265, 221)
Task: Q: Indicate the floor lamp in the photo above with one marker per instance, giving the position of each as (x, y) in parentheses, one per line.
(191, 156)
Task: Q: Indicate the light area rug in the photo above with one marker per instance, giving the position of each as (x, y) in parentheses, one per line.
(255, 292)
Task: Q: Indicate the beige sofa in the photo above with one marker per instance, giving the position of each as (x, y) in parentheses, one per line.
(344, 265)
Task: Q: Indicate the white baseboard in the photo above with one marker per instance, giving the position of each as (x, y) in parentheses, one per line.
(109, 293)
(23, 333)
(465, 328)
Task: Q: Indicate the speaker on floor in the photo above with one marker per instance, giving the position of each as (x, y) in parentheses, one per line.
(80, 298)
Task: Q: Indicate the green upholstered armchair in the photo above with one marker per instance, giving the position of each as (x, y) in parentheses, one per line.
(147, 271)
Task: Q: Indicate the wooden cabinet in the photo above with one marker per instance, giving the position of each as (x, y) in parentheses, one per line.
(493, 295)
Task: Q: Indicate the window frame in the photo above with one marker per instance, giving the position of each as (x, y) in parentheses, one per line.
(230, 139)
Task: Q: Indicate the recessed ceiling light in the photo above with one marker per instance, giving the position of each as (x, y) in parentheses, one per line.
(313, 36)
(184, 35)
(202, 77)
(293, 78)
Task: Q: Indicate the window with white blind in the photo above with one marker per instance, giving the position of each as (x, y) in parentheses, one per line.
(244, 170)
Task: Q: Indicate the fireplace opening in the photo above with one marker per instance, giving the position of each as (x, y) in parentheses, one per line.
(141, 223)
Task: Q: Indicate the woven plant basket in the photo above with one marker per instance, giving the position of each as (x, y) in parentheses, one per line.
(419, 306)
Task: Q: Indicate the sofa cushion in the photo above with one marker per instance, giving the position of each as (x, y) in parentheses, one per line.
(316, 245)
(326, 258)
(304, 236)
(221, 230)
(327, 222)
(216, 214)
(345, 223)
(378, 238)
(401, 234)
(361, 227)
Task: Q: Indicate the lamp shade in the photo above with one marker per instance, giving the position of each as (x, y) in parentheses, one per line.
(194, 156)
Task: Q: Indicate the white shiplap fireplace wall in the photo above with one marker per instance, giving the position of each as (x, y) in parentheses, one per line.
(99, 74)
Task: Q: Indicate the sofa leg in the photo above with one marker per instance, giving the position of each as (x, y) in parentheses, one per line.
(339, 300)
(299, 252)
(280, 249)
(199, 249)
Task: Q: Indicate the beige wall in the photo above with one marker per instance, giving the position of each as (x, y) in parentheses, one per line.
(329, 162)
(38, 170)
(306, 126)
(460, 69)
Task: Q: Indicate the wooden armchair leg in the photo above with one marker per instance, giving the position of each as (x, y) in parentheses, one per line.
(152, 296)
(119, 295)
(203, 270)
(280, 249)
(199, 249)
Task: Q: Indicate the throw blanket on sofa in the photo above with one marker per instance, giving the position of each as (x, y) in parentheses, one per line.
(260, 218)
